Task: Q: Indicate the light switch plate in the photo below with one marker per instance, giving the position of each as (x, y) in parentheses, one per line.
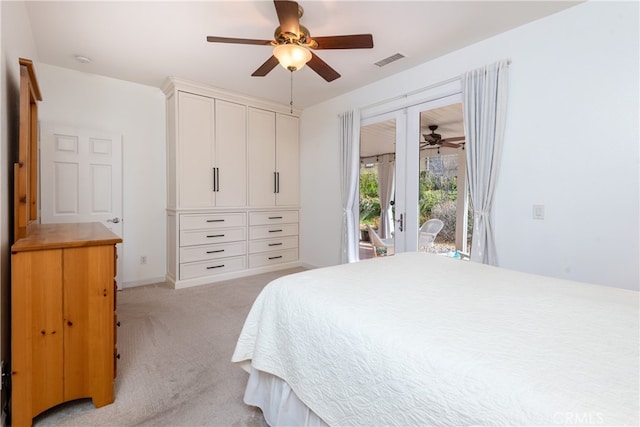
(538, 211)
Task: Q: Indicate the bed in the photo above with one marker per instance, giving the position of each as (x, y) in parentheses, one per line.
(421, 339)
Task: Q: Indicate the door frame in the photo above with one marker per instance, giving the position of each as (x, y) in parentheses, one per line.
(406, 110)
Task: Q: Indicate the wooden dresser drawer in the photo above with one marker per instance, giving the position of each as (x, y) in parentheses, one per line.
(208, 252)
(203, 237)
(212, 221)
(266, 218)
(271, 258)
(272, 231)
(270, 245)
(207, 268)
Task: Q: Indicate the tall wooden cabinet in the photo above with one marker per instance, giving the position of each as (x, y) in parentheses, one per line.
(63, 322)
(230, 157)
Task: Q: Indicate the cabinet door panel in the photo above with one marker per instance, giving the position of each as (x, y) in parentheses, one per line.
(230, 155)
(195, 129)
(261, 140)
(287, 160)
(76, 319)
(36, 307)
(89, 335)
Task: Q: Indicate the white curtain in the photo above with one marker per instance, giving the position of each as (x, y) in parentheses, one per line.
(349, 179)
(484, 101)
(386, 188)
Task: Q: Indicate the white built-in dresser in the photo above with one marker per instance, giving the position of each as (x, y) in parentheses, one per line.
(232, 184)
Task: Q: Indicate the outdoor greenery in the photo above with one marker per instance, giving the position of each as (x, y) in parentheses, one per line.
(437, 199)
(369, 199)
(435, 191)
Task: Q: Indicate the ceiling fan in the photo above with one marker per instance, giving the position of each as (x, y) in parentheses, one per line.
(434, 140)
(292, 42)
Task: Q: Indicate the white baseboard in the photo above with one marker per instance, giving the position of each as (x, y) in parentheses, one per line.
(151, 281)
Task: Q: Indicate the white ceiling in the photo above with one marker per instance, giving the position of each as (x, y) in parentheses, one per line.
(145, 42)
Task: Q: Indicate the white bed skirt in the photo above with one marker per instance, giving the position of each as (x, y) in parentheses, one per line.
(279, 403)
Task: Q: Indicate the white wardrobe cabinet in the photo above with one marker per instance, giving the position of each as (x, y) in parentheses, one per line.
(273, 158)
(211, 152)
(232, 184)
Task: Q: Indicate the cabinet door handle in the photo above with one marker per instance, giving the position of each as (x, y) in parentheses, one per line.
(215, 220)
(214, 179)
(275, 231)
(275, 244)
(275, 217)
(215, 235)
(215, 266)
(275, 257)
(275, 182)
(215, 252)
(278, 182)
(218, 179)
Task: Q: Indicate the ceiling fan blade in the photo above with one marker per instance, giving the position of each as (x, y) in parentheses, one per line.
(264, 69)
(454, 139)
(355, 41)
(288, 16)
(451, 144)
(214, 39)
(322, 68)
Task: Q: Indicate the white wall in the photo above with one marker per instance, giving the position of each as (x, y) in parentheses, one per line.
(17, 42)
(138, 113)
(571, 144)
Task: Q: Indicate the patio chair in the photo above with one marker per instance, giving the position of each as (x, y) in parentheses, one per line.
(381, 247)
(427, 234)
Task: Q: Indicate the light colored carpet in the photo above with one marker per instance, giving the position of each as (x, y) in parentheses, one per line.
(175, 368)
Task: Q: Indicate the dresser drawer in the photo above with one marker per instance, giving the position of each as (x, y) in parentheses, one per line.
(271, 258)
(266, 218)
(270, 245)
(212, 221)
(272, 231)
(203, 237)
(192, 270)
(208, 252)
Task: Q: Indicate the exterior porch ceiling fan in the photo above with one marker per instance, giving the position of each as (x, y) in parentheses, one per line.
(293, 44)
(435, 140)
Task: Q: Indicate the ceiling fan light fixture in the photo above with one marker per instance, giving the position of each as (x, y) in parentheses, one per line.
(291, 56)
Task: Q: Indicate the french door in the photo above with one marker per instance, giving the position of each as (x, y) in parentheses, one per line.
(404, 125)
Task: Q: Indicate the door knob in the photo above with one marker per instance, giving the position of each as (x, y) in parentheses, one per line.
(114, 220)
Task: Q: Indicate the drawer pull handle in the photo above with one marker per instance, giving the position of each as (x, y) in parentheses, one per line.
(216, 251)
(275, 231)
(215, 220)
(275, 244)
(216, 235)
(275, 257)
(215, 266)
(275, 217)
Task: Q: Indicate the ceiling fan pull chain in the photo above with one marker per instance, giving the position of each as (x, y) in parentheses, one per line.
(291, 92)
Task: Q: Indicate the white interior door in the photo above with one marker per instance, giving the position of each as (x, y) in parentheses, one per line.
(81, 178)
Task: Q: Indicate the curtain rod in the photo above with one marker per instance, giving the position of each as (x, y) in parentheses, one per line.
(416, 91)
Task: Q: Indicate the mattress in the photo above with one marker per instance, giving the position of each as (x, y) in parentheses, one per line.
(419, 339)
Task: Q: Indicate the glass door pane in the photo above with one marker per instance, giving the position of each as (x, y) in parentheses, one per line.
(442, 193)
(377, 188)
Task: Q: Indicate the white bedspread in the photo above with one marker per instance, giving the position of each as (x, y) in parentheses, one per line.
(419, 339)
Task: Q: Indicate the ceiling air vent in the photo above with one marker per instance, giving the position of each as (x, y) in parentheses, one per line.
(389, 60)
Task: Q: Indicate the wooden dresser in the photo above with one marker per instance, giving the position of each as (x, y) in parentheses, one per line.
(63, 321)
